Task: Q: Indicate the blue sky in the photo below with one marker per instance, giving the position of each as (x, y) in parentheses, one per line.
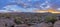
(30, 5)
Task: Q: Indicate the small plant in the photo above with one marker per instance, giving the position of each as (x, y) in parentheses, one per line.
(18, 20)
(51, 19)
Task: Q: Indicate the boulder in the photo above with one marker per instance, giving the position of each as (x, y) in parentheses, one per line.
(40, 25)
(6, 22)
(21, 25)
(2, 24)
(57, 24)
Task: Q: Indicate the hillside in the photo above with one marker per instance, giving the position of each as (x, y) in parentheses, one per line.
(27, 18)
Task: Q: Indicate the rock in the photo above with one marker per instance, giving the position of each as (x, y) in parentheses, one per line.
(2, 24)
(40, 25)
(9, 22)
(50, 24)
(57, 24)
(6, 22)
(21, 25)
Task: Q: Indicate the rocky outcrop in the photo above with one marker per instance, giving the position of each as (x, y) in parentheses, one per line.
(21, 25)
(6, 22)
(43, 24)
(57, 24)
(2, 24)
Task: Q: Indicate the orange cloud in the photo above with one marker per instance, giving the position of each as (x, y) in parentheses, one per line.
(49, 10)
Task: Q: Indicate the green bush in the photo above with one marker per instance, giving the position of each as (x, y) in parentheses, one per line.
(51, 19)
(18, 20)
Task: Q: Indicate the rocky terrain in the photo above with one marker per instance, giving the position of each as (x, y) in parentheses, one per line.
(29, 20)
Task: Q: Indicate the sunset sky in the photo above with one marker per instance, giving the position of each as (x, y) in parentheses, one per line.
(28, 5)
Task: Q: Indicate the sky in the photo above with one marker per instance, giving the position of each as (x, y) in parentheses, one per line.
(28, 5)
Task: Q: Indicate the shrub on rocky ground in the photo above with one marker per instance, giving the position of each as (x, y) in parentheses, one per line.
(51, 19)
(19, 20)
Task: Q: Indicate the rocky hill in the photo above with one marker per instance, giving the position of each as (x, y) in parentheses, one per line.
(28, 19)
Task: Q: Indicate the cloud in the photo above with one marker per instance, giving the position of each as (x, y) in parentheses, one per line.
(58, 8)
(45, 5)
(16, 8)
(29, 5)
(11, 8)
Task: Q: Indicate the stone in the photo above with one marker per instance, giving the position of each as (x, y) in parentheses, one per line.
(57, 24)
(40, 25)
(21, 25)
(50, 24)
(2, 24)
(9, 22)
(6, 22)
